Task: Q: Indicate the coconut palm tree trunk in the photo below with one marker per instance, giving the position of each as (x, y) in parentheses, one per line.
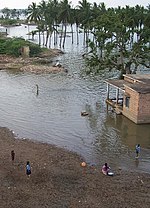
(72, 32)
(39, 38)
(61, 35)
(64, 35)
(77, 31)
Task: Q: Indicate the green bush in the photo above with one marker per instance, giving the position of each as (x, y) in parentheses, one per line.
(2, 46)
(12, 46)
(34, 49)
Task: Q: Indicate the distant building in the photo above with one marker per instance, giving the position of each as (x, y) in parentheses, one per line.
(132, 97)
(3, 30)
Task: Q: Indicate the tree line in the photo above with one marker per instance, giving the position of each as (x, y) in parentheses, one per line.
(120, 36)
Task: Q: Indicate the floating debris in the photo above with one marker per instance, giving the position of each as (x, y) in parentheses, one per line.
(84, 113)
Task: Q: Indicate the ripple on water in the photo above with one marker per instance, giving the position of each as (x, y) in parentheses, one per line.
(54, 116)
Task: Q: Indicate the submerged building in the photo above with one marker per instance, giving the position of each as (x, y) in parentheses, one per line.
(132, 97)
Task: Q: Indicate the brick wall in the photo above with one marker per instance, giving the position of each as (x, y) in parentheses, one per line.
(139, 107)
(132, 111)
(144, 108)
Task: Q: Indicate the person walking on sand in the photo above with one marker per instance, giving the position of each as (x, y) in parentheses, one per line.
(12, 155)
(28, 168)
(137, 150)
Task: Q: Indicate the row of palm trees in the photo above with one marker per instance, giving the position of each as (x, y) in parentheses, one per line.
(49, 14)
(116, 37)
(120, 36)
(12, 13)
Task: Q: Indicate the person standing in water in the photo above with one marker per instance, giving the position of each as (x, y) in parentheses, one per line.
(137, 150)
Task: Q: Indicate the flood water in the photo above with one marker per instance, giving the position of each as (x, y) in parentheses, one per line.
(54, 115)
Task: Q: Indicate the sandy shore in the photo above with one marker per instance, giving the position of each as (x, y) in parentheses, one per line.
(37, 65)
(59, 181)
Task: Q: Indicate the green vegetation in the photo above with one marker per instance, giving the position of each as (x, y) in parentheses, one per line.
(120, 36)
(121, 39)
(11, 17)
(12, 46)
(116, 38)
(12, 13)
(9, 22)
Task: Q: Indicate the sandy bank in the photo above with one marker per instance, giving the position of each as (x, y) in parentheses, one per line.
(59, 181)
(37, 65)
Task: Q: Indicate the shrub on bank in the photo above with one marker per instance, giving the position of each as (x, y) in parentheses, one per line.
(35, 50)
(2, 46)
(12, 46)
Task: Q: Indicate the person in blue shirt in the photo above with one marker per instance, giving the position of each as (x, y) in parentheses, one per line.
(28, 168)
(137, 150)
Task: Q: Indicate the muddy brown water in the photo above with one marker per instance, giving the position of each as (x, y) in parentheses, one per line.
(54, 115)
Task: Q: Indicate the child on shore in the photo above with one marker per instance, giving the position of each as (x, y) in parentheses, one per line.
(105, 169)
(28, 168)
(12, 155)
(137, 150)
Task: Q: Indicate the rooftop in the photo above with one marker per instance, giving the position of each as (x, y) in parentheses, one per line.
(141, 83)
(142, 78)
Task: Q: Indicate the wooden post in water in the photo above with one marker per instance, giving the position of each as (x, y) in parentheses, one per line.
(117, 95)
(107, 94)
(107, 91)
(37, 89)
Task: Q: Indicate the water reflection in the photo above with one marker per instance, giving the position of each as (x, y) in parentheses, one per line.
(137, 163)
(115, 137)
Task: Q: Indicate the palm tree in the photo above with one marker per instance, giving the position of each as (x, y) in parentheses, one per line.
(13, 13)
(34, 15)
(77, 21)
(43, 12)
(6, 12)
(55, 9)
(52, 20)
(64, 18)
(72, 21)
(85, 15)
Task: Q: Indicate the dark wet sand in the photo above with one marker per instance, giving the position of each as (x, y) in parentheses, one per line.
(59, 181)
